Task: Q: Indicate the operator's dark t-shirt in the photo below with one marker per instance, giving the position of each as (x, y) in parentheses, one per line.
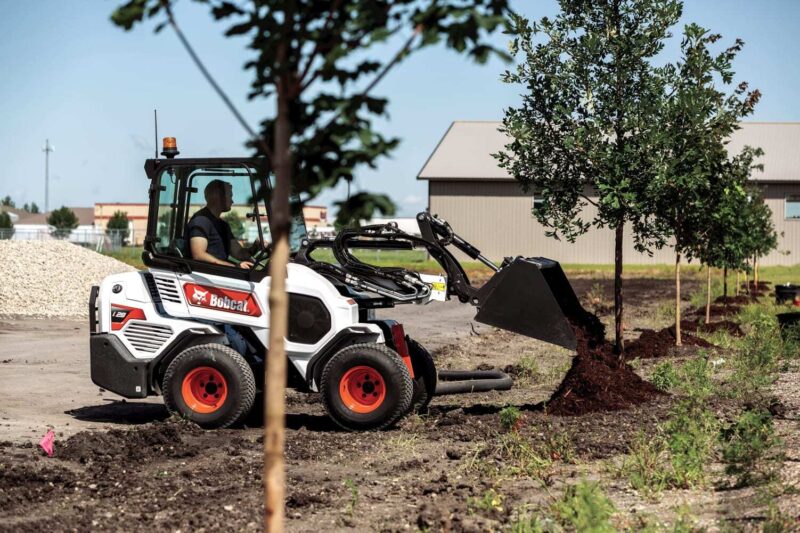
(215, 230)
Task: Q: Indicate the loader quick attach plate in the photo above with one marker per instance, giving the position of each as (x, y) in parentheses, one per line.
(531, 297)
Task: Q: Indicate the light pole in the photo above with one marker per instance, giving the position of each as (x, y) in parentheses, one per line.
(47, 149)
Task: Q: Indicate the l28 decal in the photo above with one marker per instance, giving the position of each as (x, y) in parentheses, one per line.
(226, 300)
(120, 314)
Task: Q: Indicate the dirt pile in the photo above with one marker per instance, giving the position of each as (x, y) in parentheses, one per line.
(716, 310)
(49, 279)
(652, 344)
(160, 440)
(742, 299)
(598, 379)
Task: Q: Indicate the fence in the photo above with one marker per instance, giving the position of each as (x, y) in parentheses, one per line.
(100, 240)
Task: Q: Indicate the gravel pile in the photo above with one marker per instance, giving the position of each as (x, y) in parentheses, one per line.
(50, 279)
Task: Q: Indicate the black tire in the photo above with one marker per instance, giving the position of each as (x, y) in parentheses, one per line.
(424, 376)
(238, 376)
(392, 370)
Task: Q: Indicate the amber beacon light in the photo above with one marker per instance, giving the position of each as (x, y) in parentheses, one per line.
(170, 147)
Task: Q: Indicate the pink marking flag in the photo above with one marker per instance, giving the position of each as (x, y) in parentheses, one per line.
(47, 442)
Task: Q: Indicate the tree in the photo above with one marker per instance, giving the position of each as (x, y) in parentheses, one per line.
(33, 208)
(63, 221)
(118, 225)
(236, 223)
(694, 174)
(6, 226)
(587, 120)
(8, 202)
(318, 62)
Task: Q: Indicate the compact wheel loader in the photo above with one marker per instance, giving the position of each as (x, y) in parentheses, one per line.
(197, 333)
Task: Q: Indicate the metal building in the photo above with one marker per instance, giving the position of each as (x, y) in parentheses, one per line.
(486, 206)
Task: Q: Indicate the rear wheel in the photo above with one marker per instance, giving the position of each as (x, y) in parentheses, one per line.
(210, 384)
(366, 386)
(424, 376)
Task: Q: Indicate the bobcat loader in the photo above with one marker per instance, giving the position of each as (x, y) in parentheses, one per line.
(197, 333)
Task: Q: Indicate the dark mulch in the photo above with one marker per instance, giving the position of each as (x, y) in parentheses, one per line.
(652, 344)
(742, 299)
(716, 310)
(598, 379)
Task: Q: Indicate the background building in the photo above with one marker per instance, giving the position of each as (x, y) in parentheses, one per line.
(486, 206)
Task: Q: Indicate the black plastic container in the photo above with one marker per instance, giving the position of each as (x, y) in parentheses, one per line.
(786, 292)
(789, 322)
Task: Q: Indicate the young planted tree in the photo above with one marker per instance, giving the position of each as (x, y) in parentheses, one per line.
(118, 225)
(63, 221)
(587, 126)
(357, 208)
(699, 113)
(318, 62)
(761, 231)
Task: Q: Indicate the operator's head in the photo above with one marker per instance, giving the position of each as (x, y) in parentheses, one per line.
(219, 195)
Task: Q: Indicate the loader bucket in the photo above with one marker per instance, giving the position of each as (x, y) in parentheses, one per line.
(532, 297)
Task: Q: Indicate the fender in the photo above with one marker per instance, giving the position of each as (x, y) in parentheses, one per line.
(346, 337)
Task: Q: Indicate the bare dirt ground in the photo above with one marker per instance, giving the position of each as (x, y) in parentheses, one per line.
(135, 469)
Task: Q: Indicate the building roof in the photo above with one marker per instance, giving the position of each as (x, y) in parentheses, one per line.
(85, 217)
(465, 151)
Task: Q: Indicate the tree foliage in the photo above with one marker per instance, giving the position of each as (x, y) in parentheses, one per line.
(698, 183)
(118, 225)
(236, 223)
(63, 221)
(6, 226)
(31, 208)
(323, 55)
(587, 124)
(7, 201)
(357, 208)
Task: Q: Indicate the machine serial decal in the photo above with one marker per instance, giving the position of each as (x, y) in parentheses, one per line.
(120, 314)
(227, 300)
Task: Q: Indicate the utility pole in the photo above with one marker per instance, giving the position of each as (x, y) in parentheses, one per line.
(47, 149)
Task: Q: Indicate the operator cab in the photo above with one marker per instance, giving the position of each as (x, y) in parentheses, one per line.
(177, 194)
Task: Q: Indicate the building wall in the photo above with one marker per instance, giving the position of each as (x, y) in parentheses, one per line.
(496, 217)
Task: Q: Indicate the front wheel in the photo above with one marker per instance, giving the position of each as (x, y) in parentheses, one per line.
(366, 386)
(211, 385)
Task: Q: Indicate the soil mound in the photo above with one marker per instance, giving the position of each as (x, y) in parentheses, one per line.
(717, 310)
(652, 344)
(154, 440)
(598, 380)
(742, 299)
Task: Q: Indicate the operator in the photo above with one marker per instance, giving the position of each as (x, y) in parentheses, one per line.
(210, 238)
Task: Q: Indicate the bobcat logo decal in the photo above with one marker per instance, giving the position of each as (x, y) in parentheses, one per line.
(199, 297)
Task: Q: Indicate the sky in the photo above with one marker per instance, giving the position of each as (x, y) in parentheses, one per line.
(68, 75)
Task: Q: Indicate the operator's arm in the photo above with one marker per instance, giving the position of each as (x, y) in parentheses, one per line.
(199, 248)
(238, 252)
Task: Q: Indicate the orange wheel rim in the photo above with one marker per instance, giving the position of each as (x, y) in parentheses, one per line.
(362, 389)
(204, 389)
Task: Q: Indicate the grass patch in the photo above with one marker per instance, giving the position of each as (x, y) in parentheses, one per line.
(130, 255)
(583, 507)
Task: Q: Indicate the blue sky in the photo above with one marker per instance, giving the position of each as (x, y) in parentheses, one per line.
(69, 75)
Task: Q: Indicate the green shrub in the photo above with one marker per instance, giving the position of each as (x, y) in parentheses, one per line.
(645, 465)
(694, 378)
(584, 507)
(690, 434)
(529, 369)
(747, 442)
(756, 361)
(665, 376)
(118, 225)
(510, 417)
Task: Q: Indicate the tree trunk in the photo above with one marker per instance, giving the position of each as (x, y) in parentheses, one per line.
(708, 294)
(738, 281)
(747, 282)
(677, 299)
(619, 343)
(725, 285)
(275, 367)
(755, 274)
